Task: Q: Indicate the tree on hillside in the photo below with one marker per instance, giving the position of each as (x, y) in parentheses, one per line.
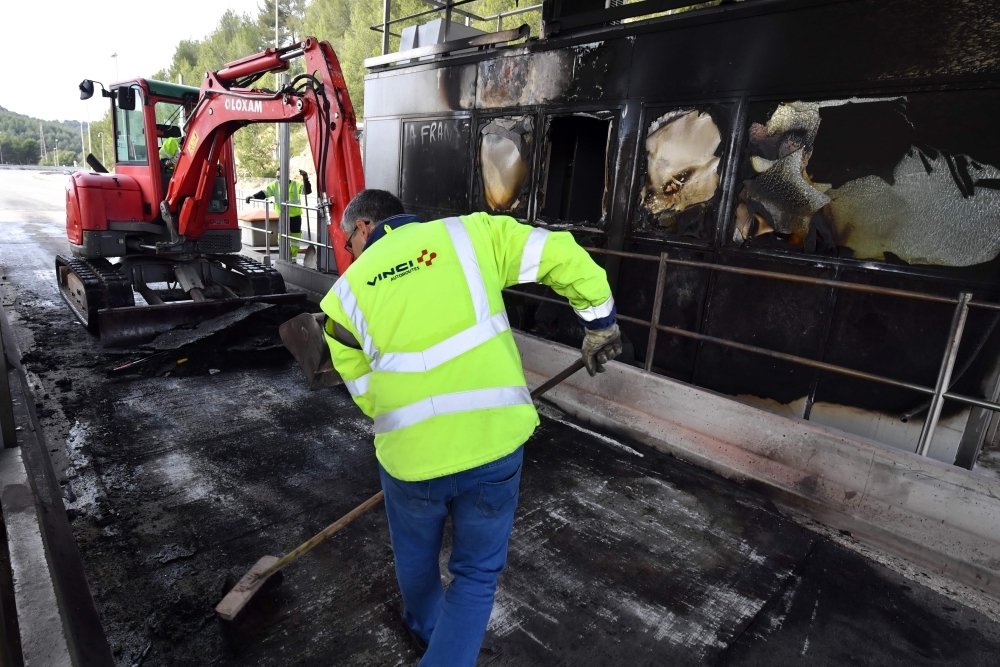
(14, 150)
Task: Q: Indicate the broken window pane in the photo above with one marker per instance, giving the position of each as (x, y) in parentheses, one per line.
(575, 170)
(906, 179)
(684, 151)
(505, 165)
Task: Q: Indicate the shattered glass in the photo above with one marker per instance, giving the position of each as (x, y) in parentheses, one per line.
(504, 163)
(682, 172)
(862, 178)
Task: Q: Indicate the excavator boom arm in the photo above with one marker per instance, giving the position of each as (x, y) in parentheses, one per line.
(319, 99)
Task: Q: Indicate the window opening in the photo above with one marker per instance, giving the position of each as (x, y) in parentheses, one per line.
(169, 121)
(683, 167)
(130, 131)
(576, 169)
(908, 179)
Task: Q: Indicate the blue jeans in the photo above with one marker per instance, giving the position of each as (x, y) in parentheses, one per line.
(481, 502)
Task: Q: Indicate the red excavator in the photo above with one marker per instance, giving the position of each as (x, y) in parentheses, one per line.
(167, 228)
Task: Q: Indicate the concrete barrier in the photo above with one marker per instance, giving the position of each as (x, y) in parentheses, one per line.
(43, 639)
(942, 517)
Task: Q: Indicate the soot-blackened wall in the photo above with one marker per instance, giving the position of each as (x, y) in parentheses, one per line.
(854, 141)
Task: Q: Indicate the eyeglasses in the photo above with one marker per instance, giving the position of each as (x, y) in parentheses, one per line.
(347, 245)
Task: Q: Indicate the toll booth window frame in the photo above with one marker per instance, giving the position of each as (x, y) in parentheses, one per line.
(555, 161)
(511, 140)
(681, 197)
(864, 204)
(423, 190)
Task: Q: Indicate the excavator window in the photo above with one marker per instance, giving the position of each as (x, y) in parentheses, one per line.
(130, 132)
(169, 117)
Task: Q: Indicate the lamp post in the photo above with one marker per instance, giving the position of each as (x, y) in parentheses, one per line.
(100, 138)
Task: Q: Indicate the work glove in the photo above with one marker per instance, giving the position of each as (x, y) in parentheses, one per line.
(601, 346)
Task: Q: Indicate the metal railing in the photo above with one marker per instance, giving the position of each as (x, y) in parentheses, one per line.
(939, 393)
(448, 7)
(285, 239)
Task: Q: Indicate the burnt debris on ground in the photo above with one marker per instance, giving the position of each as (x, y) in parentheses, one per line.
(179, 480)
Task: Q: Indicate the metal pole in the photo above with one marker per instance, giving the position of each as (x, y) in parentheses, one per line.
(386, 10)
(944, 375)
(267, 237)
(447, 20)
(654, 321)
(305, 200)
(284, 161)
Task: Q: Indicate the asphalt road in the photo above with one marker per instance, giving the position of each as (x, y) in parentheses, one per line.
(179, 478)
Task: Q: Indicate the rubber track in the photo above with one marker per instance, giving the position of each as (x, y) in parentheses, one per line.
(263, 279)
(104, 286)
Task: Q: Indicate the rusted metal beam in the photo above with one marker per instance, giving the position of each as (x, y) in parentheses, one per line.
(661, 278)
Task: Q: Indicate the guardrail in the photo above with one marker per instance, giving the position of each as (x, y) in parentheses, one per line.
(939, 393)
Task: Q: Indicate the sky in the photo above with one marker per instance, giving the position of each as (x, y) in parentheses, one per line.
(49, 46)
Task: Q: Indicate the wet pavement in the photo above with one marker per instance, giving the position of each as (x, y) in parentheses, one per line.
(178, 478)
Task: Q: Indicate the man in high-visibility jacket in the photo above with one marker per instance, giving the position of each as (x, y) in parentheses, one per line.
(418, 330)
(169, 152)
(295, 191)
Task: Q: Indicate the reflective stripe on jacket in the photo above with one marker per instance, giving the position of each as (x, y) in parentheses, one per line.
(294, 192)
(438, 369)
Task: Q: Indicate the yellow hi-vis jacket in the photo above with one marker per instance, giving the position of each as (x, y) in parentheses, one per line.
(438, 369)
(294, 192)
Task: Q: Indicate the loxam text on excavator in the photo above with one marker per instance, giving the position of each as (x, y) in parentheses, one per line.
(167, 229)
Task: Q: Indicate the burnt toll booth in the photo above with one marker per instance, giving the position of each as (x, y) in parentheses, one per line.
(799, 193)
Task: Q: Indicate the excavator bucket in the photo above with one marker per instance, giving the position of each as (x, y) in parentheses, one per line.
(134, 325)
(303, 337)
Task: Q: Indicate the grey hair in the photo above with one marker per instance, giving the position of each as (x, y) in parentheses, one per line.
(372, 206)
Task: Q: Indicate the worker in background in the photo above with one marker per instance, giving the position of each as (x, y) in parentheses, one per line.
(169, 152)
(418, 330)
(295, 191)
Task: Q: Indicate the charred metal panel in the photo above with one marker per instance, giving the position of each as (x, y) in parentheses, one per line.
(865, 43)
(420, 91)
(875, 178)
(588, 72)
(503, 168)
(382, 154)
(903, 339)
(436, 166)
(683, 304)
(773, 314)
(681, 168)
